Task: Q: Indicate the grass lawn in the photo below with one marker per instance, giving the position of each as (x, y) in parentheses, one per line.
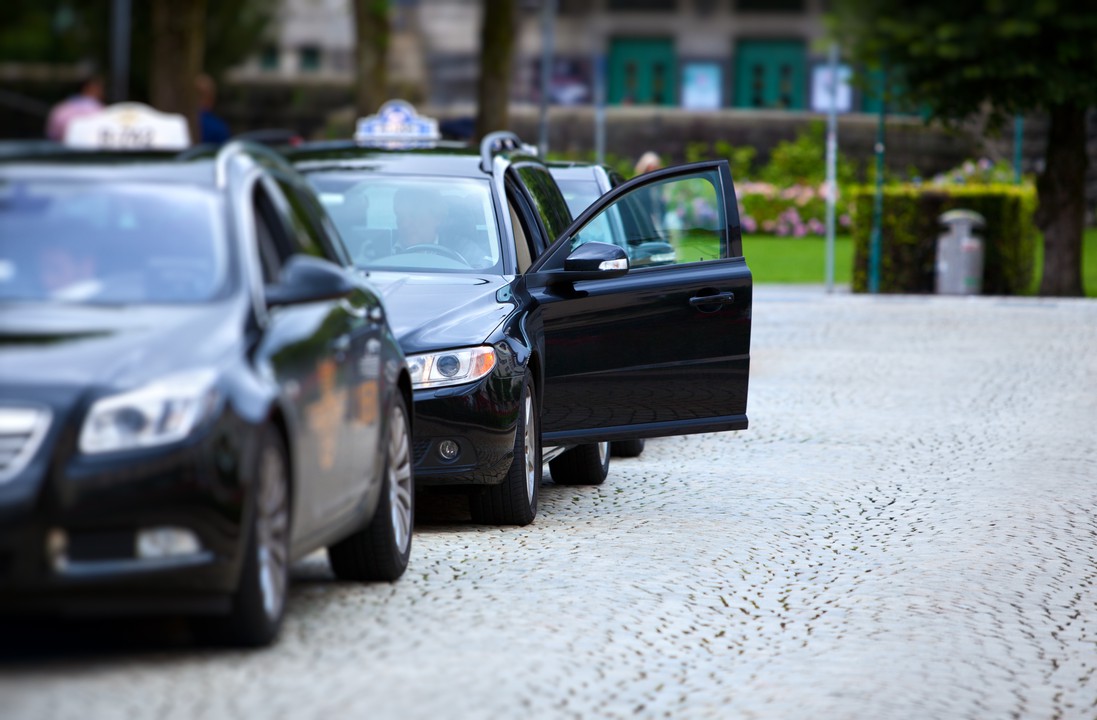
(774, 259)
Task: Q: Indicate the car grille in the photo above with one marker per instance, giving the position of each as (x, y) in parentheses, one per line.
(419, 449)
(21, 431)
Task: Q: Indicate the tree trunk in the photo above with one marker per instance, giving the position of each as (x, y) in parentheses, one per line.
(497, 32)
(178, 43)
(371, 23)
(1061, 190)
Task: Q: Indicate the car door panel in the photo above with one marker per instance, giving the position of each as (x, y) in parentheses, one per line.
(659, 351)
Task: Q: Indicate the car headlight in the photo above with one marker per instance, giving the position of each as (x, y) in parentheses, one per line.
(450, 367)
(158, 413)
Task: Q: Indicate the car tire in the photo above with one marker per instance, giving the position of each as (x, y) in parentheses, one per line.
(259, 602)
(514, 501)
(627, 448)
(380, 551)
(582, 465)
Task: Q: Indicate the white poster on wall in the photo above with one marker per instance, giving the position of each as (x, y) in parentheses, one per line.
(701, 84)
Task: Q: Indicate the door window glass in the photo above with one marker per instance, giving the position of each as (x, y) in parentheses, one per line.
(678, 220)
(546, 198)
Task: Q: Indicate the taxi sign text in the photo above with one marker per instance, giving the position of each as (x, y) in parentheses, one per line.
(129, 126)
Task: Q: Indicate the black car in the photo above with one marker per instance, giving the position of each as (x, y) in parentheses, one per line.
(194, 391)
(521, 333)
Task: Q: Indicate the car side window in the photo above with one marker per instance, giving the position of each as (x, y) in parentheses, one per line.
(547, 200)
(674, 221)
(268, 236)
(528, 229)
(305, 234)
(523, 249)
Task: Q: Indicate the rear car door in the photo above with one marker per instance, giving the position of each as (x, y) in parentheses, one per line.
(332, 348)
(662, 349)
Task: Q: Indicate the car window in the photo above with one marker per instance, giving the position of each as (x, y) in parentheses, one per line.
(546, 197)
(307, 236)
(678, 220)
(607, 227)
(270, 258)
(405, 222)
(522, 246)
(111, 243)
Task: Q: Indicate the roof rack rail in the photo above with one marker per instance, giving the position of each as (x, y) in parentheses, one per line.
(260, 152)
(499, 141)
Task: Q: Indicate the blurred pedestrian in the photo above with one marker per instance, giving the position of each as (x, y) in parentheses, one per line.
(648, 161)
(87, 100)
(212, 128)
(651, 198)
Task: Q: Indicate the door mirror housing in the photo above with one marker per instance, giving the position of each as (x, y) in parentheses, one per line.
(306, 279)
(589, 261)
(601, 259)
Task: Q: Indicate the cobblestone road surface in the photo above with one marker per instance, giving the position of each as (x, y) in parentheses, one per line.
(907, 530)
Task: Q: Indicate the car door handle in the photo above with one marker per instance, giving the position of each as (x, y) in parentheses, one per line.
(724, 298)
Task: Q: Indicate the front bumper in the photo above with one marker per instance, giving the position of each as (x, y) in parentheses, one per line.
(71, 545)
(481, 418)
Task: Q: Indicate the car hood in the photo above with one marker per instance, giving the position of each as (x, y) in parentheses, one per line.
(46, 344)
(437, 311)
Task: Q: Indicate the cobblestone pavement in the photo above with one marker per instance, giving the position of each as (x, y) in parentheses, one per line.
(907, 530)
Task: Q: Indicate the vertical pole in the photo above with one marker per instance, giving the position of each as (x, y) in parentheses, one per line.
(832, 160)
(600, 108)
(548, 19)
(120, 50)
(1018, 146)
(878, 201)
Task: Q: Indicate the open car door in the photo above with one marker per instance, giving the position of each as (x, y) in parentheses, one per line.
(659, 349)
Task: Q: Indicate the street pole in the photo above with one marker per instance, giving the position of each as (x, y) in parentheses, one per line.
(548, 19)
(1018, 146)
(120, 50)
(600, 108)
(878, 200)
(832, 161)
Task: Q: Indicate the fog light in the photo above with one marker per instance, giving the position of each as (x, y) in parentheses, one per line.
(161, 542)
(57, 548)
(447, 450)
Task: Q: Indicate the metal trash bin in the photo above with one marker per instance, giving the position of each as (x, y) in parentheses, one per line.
(960, 254)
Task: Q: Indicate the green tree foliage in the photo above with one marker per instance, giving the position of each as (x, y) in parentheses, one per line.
(65, 31)
(960, 58)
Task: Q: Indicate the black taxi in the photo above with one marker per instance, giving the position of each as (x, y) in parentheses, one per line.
(529, 335)
(194, 390)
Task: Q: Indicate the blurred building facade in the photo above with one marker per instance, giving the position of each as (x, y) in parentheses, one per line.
(696, 54)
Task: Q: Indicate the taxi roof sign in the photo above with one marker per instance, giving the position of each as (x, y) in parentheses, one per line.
(128, 126)
(396, 122)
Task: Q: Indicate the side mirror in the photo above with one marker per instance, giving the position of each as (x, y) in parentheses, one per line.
(306, 279)
(602, 260)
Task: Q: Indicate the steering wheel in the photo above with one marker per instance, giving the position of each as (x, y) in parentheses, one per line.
(436, 250)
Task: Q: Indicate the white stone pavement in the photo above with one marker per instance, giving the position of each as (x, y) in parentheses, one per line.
(907, 530)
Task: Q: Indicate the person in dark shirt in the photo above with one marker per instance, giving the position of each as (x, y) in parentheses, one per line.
(212, 128)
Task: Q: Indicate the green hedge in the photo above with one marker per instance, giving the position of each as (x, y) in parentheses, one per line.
(910, 229)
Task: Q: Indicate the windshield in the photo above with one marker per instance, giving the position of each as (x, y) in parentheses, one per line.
(109, 243)
(397, 222)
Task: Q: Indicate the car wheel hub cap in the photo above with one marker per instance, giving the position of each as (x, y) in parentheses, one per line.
(399, 480)
(272, 524)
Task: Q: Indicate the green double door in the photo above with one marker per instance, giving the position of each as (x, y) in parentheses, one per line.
(642, 71)
(770, 74)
